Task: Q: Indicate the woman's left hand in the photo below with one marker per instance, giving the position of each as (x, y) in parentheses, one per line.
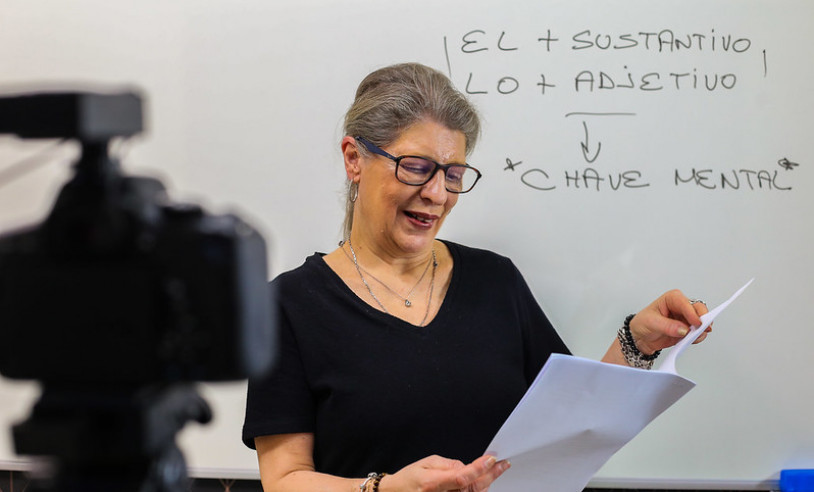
(666, 321)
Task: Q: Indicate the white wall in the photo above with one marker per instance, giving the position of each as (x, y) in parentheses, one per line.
(245, 107)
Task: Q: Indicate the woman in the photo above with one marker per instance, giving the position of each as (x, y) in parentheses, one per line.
(402, 353)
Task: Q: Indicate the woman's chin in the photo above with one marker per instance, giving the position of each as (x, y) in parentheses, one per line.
(416, 243)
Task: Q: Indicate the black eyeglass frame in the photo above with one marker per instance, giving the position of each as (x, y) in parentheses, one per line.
(377, 150)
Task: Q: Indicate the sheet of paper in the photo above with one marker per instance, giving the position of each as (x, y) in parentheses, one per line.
(576, 415)
(669, 362)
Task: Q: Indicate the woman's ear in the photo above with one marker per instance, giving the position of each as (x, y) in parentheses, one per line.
(353, 159)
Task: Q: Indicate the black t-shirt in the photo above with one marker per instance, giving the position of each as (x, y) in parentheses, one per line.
(379, 393)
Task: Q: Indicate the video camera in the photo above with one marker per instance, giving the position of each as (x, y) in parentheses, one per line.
(120, 300)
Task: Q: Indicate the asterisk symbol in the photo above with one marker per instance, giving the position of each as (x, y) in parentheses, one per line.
(787, 164)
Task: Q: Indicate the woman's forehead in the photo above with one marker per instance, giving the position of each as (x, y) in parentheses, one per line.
(431, 139)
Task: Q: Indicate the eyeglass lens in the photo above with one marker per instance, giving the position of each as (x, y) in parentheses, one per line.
(417, 171)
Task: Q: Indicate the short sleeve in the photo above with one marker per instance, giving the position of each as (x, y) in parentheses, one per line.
(540, 337)
(280, 402)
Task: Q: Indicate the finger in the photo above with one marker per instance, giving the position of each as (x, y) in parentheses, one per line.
(703, 335)
(680, 307)
(700, 308)
(439, 462)
(653, 322)
(471, 473)
(486, 480)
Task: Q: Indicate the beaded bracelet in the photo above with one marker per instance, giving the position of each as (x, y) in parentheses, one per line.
(373, 478)
(376, 482)
(634, 356)
(370, 476)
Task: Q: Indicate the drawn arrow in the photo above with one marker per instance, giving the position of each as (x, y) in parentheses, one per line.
(585, 144)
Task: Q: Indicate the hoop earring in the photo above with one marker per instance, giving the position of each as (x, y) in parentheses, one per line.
(353, 192)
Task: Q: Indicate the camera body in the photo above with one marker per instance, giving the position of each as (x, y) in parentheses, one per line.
(117, 302)
(119, 285)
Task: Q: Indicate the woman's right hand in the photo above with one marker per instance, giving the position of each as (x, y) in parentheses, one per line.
(287, 465)
(437, 474)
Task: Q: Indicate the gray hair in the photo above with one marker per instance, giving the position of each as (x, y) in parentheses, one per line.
(391, 99)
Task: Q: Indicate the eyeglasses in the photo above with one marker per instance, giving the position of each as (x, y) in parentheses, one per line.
(416, 171)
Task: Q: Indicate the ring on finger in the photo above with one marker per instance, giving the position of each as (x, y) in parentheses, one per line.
(696, 301)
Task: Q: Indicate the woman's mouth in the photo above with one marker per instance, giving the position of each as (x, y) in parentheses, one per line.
(422, 218)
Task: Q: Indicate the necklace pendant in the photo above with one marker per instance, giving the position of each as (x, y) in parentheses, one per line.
(407, 302)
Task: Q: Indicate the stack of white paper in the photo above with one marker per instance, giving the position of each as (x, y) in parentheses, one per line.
(579, 412)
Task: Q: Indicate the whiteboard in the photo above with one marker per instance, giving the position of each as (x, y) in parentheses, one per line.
(629, 147)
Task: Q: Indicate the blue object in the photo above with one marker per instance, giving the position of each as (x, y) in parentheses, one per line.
(797, 481)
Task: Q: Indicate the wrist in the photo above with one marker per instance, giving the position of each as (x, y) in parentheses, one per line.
(372, 483)
(386, 483)
(632, 324)
(635, 354)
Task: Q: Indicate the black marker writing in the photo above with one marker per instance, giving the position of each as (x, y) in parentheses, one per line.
(446, 54)
(511, 165)
(547, 40)
(533, 178)
(734, 180)
(500, 43)
(469, 38)
(588, 178)
(662, 41)
(765, 66)
(542, 84)
(584, 145)
(472, 91)
(585, 113)
(787, 164)
(590, 81)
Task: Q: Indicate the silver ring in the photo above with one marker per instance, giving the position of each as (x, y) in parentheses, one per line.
(696, 301)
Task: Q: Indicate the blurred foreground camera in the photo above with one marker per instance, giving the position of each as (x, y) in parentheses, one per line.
(118, 302)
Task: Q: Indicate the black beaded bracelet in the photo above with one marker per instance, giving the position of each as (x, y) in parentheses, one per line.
(633, 355)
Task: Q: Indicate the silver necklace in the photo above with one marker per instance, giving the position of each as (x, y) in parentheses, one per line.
(407, 303)
(406, 299)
